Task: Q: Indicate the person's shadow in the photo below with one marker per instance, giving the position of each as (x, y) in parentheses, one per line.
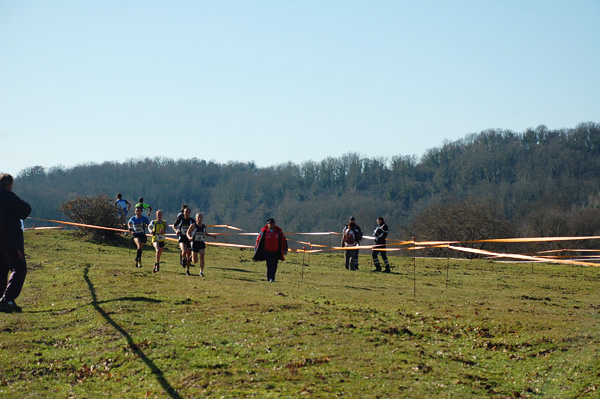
(134, 347)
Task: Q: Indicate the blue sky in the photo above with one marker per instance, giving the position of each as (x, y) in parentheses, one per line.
(278, 81)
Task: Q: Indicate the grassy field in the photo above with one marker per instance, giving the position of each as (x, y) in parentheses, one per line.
(94, 326)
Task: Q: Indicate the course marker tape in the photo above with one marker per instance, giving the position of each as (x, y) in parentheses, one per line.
(223, 244)
(523, 257)
(91, 226)
(416, 245)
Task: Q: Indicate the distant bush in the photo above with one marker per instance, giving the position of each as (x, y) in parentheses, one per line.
(96, 211)
(466, 220)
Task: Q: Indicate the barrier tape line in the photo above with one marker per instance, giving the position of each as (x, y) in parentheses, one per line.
(91, 226)
(522, 257)
(416, 245)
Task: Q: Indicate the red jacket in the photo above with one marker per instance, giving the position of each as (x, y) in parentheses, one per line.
(260, 244)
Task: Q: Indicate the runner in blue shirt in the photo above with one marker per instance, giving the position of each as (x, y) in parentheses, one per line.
(138, 225)
(122, 207)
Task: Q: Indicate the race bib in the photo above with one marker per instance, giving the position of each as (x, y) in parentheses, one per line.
(138, 228)
(160, 237)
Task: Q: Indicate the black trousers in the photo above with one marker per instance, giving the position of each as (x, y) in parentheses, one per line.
(272, 259)
(13, 262)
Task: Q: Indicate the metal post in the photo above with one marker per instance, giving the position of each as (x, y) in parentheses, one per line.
(414, 268)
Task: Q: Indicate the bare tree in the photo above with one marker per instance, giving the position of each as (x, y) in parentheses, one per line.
(465, 221)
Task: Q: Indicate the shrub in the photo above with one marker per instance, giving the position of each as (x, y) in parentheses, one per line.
(466, 220)
(96, 211)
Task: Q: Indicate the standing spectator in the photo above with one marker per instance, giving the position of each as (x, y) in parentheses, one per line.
(143, 205)
(158, 228)
(12, 245)
(380, 234)
(351, 237)
(137, 225)
(181, 226)
(271, 246)
(196, 234)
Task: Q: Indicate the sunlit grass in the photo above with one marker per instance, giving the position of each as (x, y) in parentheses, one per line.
(95, 326)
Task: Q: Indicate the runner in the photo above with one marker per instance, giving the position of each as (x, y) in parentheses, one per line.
(143, 205)
(158, 228)
(137, 225)
(122, 206)
(179, 216)
(196, 234)
(181, 226)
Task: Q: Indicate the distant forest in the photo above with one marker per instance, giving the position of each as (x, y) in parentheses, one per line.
(494, 183)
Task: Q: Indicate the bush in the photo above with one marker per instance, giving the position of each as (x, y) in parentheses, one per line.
(96, 211)
(466, 220)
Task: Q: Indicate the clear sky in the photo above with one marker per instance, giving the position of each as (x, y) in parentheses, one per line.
(285, 80)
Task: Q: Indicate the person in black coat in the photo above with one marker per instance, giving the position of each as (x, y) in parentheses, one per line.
(12, 247)
(380, 234)
(271, 246)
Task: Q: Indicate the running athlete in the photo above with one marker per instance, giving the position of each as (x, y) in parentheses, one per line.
(180, 213)
(122, 206)
(196, 234)
(179, 216)
(137, 225)
(144, 205)
(181, 226)
(158, 228)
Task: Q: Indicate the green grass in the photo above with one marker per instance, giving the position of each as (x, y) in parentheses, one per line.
(94, 326)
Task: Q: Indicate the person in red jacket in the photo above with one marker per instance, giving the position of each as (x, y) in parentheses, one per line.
(271, 246)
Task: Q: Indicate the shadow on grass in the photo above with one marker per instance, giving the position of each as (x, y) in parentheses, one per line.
(125, 298)
(136, 349)
(358, 288)
(128, 298)
(250, 280)
(231, 269)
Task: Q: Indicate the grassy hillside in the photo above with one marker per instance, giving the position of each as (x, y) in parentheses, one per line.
(94, 326)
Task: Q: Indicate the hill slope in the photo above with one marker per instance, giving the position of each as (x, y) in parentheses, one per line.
(532, 177)
(95, 326)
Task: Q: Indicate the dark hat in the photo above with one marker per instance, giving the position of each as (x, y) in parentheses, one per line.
(270, 220)
(352, 218)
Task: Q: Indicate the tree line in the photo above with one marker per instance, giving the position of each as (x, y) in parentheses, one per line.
(540, 182)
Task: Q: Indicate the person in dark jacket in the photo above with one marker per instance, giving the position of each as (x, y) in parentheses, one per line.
(12, 247)
(351, 237)
(271, 246)
(380, 234)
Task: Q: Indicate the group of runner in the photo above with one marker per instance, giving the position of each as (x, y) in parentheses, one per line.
(191, 233)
